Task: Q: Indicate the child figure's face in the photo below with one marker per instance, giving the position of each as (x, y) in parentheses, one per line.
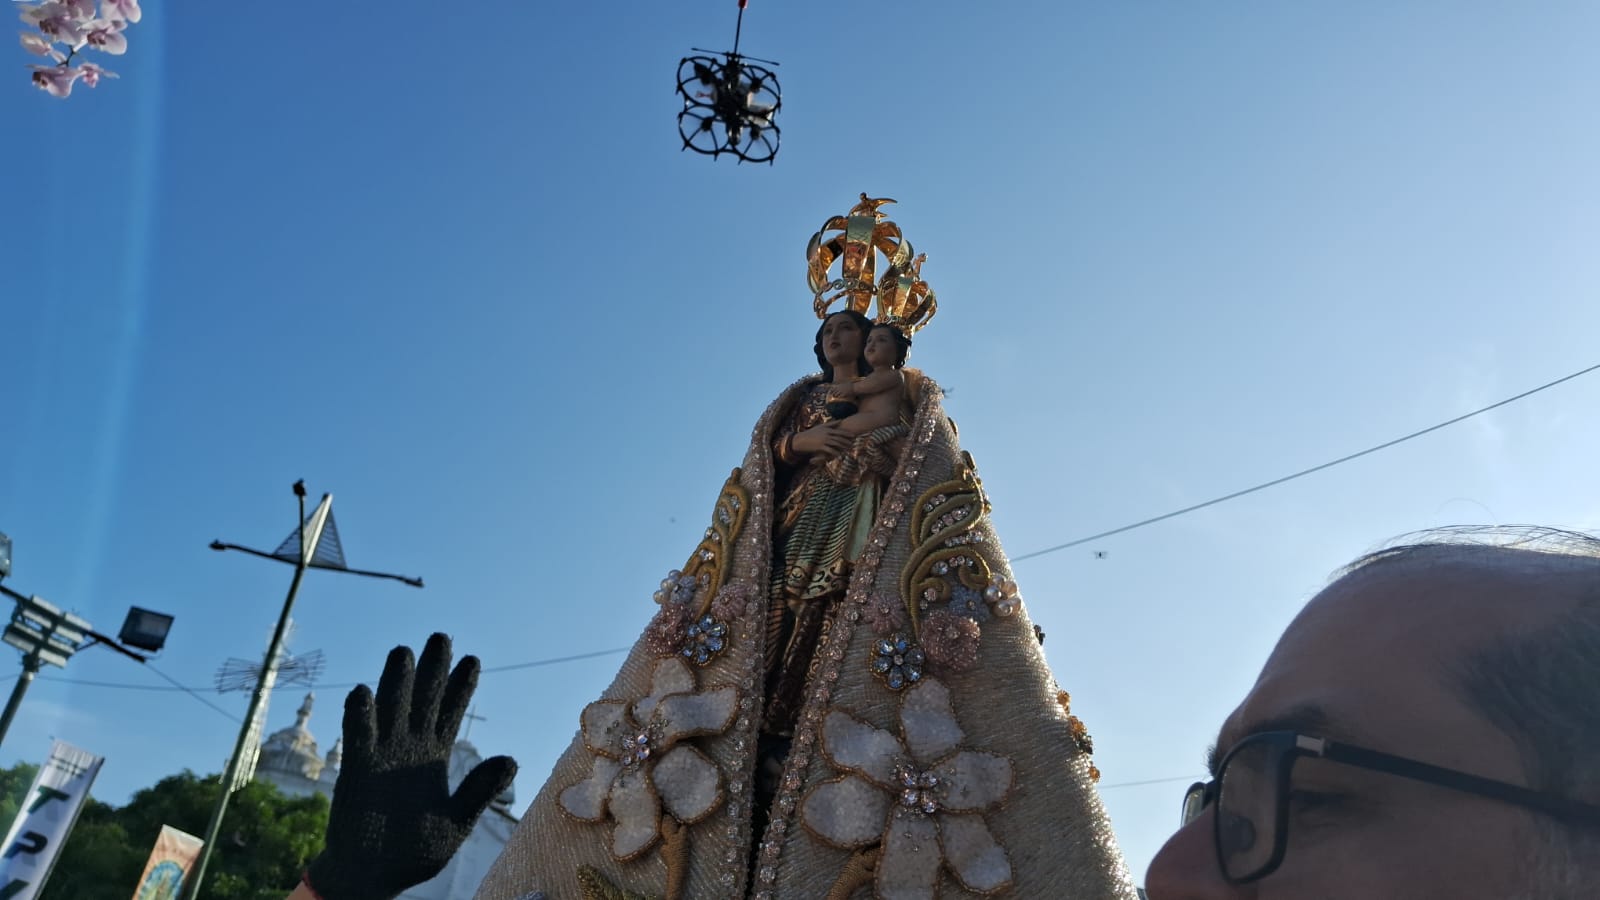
(880, 350)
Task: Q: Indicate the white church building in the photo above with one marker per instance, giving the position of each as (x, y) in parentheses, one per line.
(289, 760)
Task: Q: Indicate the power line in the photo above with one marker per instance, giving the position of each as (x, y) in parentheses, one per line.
(1148, 781)
(531, 664)
(195, 694)
(1302, 473)
(177, 686)
(558, 659)
(124, 686)
(120, 685)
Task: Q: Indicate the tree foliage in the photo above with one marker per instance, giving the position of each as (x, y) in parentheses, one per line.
(14, 784)
(265, 841)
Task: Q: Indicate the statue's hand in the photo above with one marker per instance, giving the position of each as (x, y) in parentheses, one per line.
(821, 440)
(394, 822)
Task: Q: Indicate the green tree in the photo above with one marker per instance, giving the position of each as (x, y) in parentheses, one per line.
(265, 841)
(14, 783)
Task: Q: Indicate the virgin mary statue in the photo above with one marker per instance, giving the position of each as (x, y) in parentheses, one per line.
(841, 694)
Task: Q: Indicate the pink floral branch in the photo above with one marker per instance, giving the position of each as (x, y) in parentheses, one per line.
(75, 25)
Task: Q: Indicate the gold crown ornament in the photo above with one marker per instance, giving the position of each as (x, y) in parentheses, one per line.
(855, 240)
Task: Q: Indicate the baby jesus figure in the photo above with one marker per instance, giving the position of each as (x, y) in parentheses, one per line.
(879, 399)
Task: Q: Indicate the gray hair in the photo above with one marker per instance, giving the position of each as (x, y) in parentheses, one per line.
(1540, 687)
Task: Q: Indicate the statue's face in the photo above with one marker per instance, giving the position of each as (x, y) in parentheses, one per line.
(842, 340)
(881, 351)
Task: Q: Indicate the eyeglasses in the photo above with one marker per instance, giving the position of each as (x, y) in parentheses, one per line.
(1251, 794)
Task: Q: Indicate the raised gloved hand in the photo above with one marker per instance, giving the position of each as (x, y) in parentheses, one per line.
(394, 822)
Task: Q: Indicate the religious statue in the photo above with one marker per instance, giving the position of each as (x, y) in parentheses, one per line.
(840, 694)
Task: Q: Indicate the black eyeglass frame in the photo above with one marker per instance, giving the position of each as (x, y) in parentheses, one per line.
(1289, 746)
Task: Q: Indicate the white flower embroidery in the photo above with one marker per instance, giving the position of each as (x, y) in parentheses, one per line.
(919, 795)
(639, 764)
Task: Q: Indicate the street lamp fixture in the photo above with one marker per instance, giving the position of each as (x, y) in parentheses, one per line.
(46, 634)
(145, 630)
(41, 629)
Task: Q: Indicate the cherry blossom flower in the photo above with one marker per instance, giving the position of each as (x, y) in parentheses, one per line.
(127, 10)
(55, 21)
(35, 13)
(92, 74)
(38, 46)
(920, 795)
(73, 23)
(641, 763)
(82, 10)
(106, 35)
(56, 80)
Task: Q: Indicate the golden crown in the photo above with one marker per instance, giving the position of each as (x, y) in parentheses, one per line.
(903, 298)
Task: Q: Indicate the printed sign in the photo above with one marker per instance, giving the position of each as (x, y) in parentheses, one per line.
(46, 817)
(169, 864)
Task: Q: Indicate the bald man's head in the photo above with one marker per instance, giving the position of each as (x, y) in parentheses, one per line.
(1471, 652)
(1531, 606)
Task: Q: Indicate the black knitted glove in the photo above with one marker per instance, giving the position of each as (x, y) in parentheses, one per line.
(394, 823)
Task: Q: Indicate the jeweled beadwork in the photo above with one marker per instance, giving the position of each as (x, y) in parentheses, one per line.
(704, 640)
(919, 789)
(897, 661)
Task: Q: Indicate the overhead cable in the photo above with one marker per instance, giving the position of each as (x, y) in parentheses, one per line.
(1302, 473)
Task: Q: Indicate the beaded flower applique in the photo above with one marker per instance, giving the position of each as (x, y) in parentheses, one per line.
(642, 765)
(917, 798)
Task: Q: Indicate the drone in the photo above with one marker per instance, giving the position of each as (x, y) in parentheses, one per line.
(729, 103)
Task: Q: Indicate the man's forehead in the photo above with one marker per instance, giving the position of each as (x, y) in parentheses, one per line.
(1449, 596)
(1372, 658)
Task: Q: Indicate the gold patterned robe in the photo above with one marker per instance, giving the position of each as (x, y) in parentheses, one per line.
(933, 754)
(826, 513)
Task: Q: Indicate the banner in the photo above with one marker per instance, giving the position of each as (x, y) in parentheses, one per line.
(169, 864)
(47, 815)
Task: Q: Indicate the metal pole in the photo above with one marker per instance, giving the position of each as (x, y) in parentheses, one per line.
(31, 664)
(191, 884)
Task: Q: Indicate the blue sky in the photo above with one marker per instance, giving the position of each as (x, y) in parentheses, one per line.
(454, 269)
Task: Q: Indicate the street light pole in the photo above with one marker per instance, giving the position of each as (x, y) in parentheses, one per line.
(269, 670)
(31, 664)
(310, 533)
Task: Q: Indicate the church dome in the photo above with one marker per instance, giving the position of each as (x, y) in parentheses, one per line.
(293, 750)
(331, 762)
